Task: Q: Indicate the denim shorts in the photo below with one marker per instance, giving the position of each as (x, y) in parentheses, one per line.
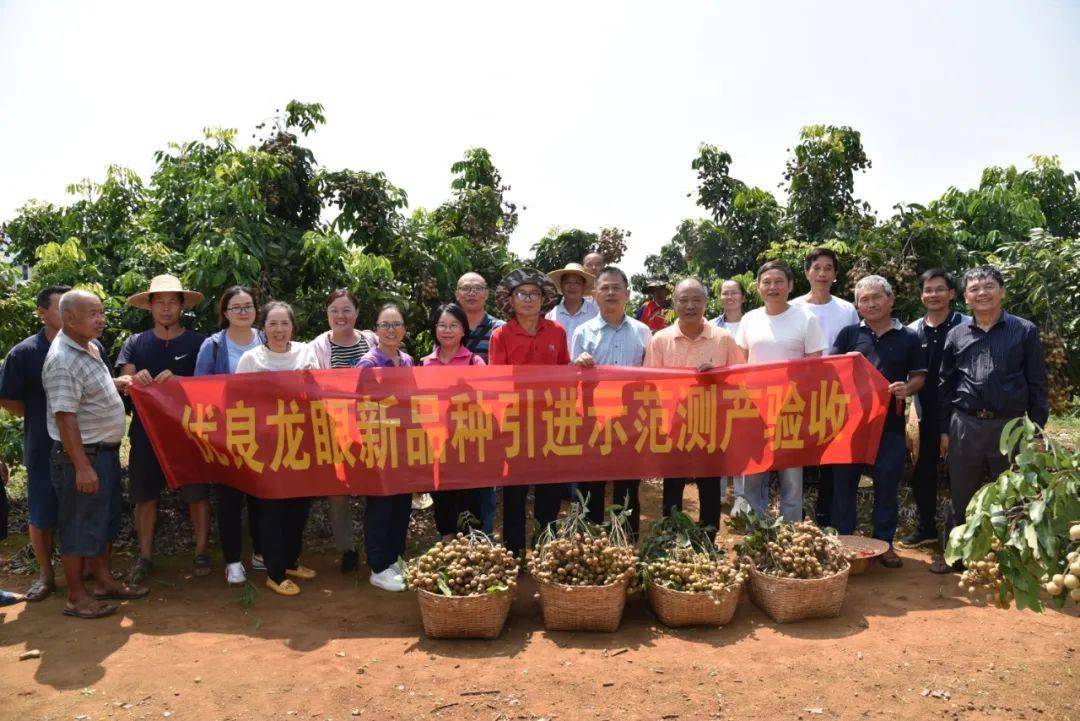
(41, 497)
(87, 522)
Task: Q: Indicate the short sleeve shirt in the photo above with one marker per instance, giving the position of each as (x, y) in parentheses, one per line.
(833, 316)
(480, 336)
(146, 351)
(20, 380)
(897, 354)
(572, 321)
(671, 348)
(512, 346)
(609, 345)
(79, 382)
(786, 336)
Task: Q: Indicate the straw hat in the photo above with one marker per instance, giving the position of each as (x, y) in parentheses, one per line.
(655, 283)
(165, 284)
(573, 269)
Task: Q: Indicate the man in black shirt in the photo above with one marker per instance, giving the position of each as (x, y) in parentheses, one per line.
(898, 355)
(155, 355)
(992, 371)
(937, 292)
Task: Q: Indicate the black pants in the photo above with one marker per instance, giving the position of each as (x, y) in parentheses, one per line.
(823, 505)
(924, 479)
(230, 510)
(625, 494)
(386, 527)
(974, 458)
(281, 529)
(3, 512)
(449, 505)
(708, 499)
(547, 497)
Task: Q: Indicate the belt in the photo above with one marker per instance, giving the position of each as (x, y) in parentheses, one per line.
(986, 415)
(91, 448)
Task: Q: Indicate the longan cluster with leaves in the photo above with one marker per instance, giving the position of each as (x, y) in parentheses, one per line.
(984, 576)
(789, 550)
(575, 552)
(681, 555)
(466, 565)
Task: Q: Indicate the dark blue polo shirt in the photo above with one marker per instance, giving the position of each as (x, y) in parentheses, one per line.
(20, 380)
(897, 353)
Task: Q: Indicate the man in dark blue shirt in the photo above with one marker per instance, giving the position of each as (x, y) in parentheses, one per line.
(898, 355)
(992, 371)
(22, 394)
(168, 349)
(937, 293)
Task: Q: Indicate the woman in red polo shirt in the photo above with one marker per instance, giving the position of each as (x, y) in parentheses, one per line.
(528, 339)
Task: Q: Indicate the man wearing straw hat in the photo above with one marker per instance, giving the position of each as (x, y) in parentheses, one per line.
(153, 356)
(651, 312)
(575, 284)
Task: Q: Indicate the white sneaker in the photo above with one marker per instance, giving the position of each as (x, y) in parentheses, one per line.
(422, 501)
(257, 563)
(388, 580)
(235, 574)
(396, 568)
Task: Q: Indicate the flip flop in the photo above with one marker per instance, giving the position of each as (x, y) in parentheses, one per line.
(126, 593)
(105, 609)
(39, 590)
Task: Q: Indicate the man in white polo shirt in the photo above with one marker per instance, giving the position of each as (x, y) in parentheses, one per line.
(85, 417)
(778, 331)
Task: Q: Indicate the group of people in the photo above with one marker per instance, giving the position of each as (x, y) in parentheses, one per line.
(969, 376)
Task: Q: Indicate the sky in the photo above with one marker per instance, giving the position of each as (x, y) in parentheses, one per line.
(593, 111)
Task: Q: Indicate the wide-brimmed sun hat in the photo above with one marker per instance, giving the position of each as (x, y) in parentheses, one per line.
(573, 269)
(525, 276)
(165, 284)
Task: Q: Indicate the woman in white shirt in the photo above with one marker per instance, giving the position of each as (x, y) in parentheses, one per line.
(777, 331)
(281, 520)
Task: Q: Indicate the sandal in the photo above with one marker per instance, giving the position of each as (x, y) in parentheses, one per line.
(123, 593)
(99, 611)
(889, 559)
(203, 566)
(39, 590)
(139, 569)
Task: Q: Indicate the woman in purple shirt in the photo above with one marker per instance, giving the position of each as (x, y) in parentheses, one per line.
(450, 328)
(386, 518)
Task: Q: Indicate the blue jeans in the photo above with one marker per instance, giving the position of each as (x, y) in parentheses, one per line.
(488, 503)
(887, 468)
(755, 491)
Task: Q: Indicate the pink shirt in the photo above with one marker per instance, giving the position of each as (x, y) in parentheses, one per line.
(670, 348)
(464, 357)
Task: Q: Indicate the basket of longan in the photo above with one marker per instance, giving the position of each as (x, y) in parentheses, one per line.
(464, 586)
(798, 571)
(689, 582)
(583, 572)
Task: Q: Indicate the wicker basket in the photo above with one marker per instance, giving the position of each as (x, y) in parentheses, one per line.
(582, 608)
(681, 608)
(478, 616)
(859, 550)
(794, 599)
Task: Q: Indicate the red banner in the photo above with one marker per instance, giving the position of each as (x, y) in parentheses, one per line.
(407, 430)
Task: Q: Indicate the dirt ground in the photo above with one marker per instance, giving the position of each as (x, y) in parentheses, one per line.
(906, 646)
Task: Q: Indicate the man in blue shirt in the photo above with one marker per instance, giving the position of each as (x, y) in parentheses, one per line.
(992, 371)
(168, 349)
(22, 394)
(898, 355)
(937, 292)
(612, 338)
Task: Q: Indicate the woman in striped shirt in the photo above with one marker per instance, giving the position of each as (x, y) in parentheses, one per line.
(342, 347)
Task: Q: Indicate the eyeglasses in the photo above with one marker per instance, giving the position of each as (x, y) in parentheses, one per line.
(241, 309)
(448, 328)
(527, 295)
(472, 289)
(390, 325)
